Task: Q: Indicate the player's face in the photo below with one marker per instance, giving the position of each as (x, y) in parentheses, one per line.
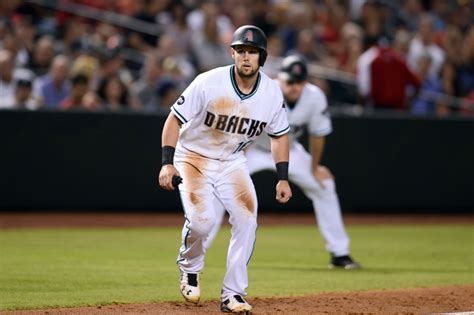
(246, 60)
(292, 89)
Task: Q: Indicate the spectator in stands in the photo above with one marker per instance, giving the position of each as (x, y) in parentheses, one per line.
(7, 66)
(79, 88)
(332, 21)
(353, 47)
(452, 43)
(175, 62)
(275, 52)
(6, 36)
(174, 24)
(401, 43)
(427, 101)
(23, 95)
(315, 29)
(91, 101)
(113, 94)
(448, 83)
(296, 19)
(73, 36)
(52, 88)
(168, 93)
(263, 15)
(209, 51)
(466, 69)
(410, 14)
(86, 60)
(24, 32)
(390, 77)
(240, 15)
(371, 20)
(142, 91)
(306, 46)
(422, 42)
(462, 16)
(43, 54)
(112, 64)
(198, 18)
(448, 78)
(144, 42)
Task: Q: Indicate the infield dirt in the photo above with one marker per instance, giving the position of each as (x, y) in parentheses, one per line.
(407, 301)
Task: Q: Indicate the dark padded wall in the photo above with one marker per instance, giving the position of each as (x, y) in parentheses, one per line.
(59, 160)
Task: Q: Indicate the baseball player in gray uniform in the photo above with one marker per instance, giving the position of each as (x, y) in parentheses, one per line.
(306, 108)
(219, 115)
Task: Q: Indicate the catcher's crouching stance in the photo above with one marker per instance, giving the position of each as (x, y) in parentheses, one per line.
(222, 112)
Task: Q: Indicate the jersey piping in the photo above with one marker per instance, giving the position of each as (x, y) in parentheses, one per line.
(279, 133)
(179, 115)
(236, 88)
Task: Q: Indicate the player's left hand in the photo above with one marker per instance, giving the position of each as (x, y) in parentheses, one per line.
(283, 191)
(321, 173)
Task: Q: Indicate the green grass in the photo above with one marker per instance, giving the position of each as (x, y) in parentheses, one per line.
(71, 267)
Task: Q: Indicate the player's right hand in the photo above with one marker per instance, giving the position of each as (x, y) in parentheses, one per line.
(166, 176)
(283, 191)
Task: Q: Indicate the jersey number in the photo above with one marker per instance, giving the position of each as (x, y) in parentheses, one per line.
(242, 146)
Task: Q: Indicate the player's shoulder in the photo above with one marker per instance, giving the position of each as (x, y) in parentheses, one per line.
(215, 74)
(313, 98)
(314, 92)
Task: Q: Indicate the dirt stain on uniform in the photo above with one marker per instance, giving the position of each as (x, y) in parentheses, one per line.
(193, 179)
(244, 192)
(194, 198)
(221, 106)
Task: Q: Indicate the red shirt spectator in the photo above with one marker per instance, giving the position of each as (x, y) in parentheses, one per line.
(389, 78)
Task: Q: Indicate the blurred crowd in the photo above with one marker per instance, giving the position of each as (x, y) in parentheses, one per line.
(407, 55)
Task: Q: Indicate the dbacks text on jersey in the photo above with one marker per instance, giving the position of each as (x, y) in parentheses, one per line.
(234, 124)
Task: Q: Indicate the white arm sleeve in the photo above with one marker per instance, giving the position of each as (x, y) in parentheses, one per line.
(279, 124)
(190, 103)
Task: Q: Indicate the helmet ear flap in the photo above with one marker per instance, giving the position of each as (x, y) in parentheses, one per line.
(262, 58)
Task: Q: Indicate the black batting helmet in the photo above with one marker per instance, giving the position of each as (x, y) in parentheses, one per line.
(250, 35)
(293, 68)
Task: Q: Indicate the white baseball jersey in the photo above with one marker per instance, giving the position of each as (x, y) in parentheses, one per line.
(219, 121)
(310, 111)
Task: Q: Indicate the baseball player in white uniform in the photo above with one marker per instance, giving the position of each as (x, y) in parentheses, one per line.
(306, 108)
(219, 115)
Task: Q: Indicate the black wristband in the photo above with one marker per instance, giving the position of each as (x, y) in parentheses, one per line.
(282, 170)
(167, 155)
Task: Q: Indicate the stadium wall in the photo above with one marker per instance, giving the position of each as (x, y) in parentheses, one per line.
(104, 161)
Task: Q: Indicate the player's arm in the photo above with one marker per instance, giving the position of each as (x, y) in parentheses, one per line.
(280, 154)
(169, 139)
(320, 172)
(317, 147)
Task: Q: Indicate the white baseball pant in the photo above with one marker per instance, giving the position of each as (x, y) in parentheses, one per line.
(205, 181)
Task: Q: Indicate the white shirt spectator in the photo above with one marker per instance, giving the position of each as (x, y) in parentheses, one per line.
(418, 49)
